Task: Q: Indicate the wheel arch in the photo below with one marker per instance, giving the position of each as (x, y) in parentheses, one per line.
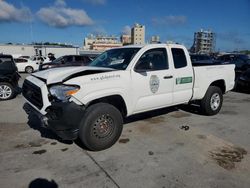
(115, 100)
(5, 79)
(220, 84)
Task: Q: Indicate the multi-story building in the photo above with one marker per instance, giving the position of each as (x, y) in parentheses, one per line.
(155, 39)
(101, 43)
(126, 39)
(204, 42)
(88, 41)
(138, 34)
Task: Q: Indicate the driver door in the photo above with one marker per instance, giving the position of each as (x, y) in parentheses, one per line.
(152, 81)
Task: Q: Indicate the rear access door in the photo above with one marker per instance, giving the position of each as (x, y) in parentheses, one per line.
(183, 76)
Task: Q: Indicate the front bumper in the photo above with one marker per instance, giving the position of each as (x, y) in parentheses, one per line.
(63, 118)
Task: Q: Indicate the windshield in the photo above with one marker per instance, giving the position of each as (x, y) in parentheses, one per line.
(115, 58)
(32, 58)
(58, 60)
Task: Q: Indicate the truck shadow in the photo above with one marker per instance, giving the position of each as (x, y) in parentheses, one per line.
(194, 109)
(150, 114)
(191, 108)
(35, 123)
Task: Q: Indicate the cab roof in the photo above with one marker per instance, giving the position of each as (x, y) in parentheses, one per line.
(152, 45)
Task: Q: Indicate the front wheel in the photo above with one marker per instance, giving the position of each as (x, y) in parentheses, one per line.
(29, 69)
(212, 101)
(6, 91)
(101, 126)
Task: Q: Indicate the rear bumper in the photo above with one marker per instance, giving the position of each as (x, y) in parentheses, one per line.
(62, 118)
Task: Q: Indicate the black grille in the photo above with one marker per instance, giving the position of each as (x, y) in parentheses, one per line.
(33, 94)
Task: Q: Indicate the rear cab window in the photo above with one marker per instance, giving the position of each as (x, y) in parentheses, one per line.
(179, 58)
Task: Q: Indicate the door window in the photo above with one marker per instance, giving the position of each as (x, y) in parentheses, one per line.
(179, 58)
(152, 60)
(78, 59)
(21, 60)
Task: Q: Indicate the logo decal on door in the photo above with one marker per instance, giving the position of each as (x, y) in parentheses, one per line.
(184, 80)
(154, 83)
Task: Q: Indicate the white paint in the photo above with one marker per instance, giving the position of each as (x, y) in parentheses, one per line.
(134, 87)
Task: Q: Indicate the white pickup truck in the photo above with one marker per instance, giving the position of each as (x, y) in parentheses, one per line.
(91, 102)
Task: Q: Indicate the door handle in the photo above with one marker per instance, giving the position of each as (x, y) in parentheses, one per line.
(168, 77)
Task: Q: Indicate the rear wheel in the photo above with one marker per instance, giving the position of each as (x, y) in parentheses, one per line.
(29, 69)
(6, 91)
(212, 101)
(101, 126)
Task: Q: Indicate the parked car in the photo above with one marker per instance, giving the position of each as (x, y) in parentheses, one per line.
(203, 60)
(8, 77)
(241, 61)
(243, 82)
(67, 60)
(25, 56)
(26, 65)
(90, 102)
(40, 59)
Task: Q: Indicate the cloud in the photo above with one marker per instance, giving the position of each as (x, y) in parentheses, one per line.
(9, 13)
(126, 30)
(170, 20)
(61, 16)
(95, 2)
(60, 3)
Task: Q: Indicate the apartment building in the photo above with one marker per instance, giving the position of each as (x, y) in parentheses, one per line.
(155, 39)
(101, 43)
(204, 42)
(126, 39)
(138, 34)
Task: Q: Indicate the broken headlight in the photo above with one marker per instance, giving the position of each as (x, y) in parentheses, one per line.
(63, 92)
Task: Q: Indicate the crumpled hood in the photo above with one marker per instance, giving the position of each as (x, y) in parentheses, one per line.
(56, 75)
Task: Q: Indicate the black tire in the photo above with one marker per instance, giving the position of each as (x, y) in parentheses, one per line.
(6, 91)
(29, 69)
(212, 101)
(101, 126)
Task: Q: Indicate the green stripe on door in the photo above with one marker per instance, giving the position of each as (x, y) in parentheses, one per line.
(184, 80)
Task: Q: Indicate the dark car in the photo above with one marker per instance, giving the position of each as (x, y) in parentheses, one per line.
(241, 61)
(243, 81)
(203, 60)
(200, 58)
(8, 77)
(67, 60)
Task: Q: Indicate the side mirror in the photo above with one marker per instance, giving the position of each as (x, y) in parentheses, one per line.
(144, 67)
(62, 61)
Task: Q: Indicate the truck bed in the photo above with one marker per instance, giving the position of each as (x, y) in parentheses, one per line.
(204, 76)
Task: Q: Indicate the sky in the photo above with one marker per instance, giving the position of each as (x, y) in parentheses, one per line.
(69, 21)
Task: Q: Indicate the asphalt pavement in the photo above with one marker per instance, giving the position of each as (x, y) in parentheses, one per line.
(173, 147)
